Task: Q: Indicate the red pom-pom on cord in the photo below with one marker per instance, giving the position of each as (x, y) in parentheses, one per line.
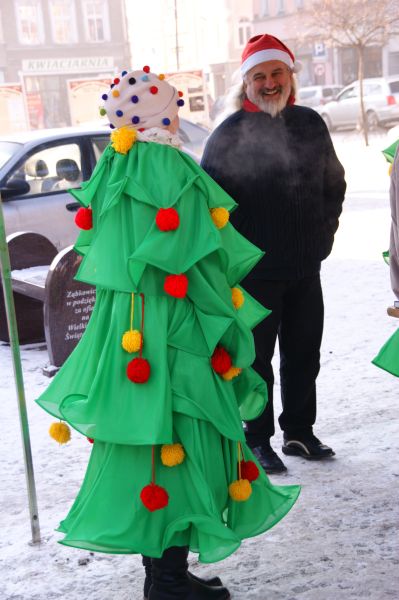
(176, 285)
(84, 218)
(167, 219)
(138, 370)
(249, 470)
(91, 440)
(221, 360)
(154, 497)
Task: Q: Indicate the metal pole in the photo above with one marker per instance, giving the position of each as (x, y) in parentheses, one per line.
(19, 381)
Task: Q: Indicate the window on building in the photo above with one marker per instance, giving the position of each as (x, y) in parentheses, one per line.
(264, 8)
(1, 28)
(244, 32)
(299, 4)
(63, 21)
(96, 20)
(280, 7)
(29, 21)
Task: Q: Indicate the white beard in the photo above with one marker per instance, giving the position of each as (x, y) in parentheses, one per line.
(272, 106)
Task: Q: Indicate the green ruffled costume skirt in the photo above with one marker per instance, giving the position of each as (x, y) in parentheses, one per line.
(184, 401)
(388, 356)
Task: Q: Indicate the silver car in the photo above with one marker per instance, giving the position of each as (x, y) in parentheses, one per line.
(37, 167)
(381, 102)
(317, 95)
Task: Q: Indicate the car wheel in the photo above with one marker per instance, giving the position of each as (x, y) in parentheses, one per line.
(372, 120)
(327, 121)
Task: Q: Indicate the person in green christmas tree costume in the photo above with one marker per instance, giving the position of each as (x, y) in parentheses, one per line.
(161, 379)
(388, 356)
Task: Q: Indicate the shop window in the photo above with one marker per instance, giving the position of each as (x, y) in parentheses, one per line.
(96, 20)
(29, 21)
(63, 21)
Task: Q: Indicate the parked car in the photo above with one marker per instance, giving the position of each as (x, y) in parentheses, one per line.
(37, 167)
(317, 95)
(381, 103)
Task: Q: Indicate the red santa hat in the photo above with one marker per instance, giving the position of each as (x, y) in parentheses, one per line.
(262, 48)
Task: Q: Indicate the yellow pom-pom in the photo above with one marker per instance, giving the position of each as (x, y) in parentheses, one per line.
(231, 373)
(390, 169)
(172, 454)
(161, 76)
(237, 297)
(60, 432)
(123, 139)
(220, 216)
(131, 341)
(116, 94)
(240, 490)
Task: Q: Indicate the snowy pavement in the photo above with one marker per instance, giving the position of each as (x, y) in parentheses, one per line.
(340, 541)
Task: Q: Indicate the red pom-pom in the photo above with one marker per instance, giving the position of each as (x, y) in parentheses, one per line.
(176, 285)
(91, 440)
(167, 219)
(138, 370)
(249, 470)
(221, 361)
(84, 218)
(180, 94)
(146, 69)
(154, 89)
(154, 497)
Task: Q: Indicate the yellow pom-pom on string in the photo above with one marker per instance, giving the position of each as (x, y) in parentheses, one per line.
(237, 297)
(60, 432)
(123, 139)
(390, 169)
(132, 340)
(220, 216)
(231, 373)
(240, 490)
(172, 455)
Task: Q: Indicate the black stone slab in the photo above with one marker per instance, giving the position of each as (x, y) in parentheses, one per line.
(67, 306)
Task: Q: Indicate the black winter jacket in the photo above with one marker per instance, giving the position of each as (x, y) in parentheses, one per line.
(285, 176)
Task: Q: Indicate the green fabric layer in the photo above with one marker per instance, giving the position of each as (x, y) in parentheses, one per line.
(388, 356)
(200, 513)
(184, 400)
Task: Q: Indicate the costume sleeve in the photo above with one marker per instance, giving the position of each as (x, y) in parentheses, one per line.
(394, 241)
(334, 187)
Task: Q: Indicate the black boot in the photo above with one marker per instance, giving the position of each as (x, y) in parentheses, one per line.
(212, 581)
(170, 580)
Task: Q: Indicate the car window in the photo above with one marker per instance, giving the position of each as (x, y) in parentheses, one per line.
(7, 149)
(394, 87)
(372, 89)
(327, 92)
(51, 169)
(99, 145)
(303, 94)
(349, 93)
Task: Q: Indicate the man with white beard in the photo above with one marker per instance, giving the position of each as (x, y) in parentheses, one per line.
(278, 162)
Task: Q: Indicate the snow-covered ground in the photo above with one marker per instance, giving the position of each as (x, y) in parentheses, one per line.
(339, 542)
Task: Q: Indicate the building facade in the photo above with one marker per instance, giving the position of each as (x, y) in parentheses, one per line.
(60, 52)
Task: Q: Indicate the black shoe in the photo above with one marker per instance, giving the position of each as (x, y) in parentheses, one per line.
(170, 580)
(211, 582)
(268, 459)
(306, 445)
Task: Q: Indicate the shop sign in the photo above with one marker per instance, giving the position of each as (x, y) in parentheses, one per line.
(48, 66)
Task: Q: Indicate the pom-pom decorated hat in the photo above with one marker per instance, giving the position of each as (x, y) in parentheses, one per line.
(262, 48)
(141, 99)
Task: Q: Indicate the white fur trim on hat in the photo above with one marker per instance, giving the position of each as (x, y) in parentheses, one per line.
(265, 55)
(142, 100)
